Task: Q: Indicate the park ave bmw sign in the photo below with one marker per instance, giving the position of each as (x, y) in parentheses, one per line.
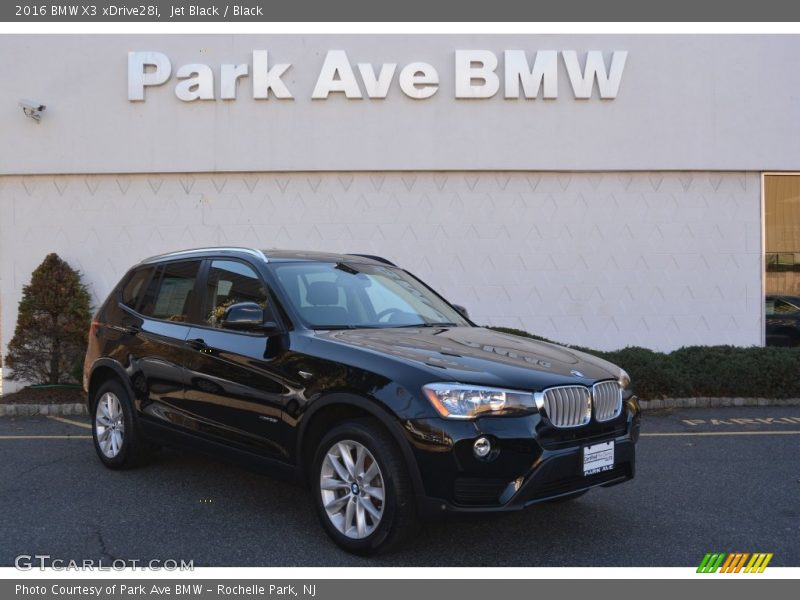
(477, 75)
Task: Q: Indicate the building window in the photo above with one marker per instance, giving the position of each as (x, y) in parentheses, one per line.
(782, 258)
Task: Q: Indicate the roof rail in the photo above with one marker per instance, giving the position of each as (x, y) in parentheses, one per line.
(178, 253)
(385, 261)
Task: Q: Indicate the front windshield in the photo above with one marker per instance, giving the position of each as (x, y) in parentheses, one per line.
(330, 295)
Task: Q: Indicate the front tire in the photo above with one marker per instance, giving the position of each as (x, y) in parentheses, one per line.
(362, 489)
(117, 439)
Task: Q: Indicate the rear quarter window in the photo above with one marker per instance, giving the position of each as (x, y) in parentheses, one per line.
(134, 286)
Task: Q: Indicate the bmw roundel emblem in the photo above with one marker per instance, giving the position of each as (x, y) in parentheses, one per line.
(576, 373)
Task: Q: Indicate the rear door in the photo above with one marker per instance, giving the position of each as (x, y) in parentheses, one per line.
(237, 385)
(158, 326)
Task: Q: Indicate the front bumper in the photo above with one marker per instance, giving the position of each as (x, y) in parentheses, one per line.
(531, 461)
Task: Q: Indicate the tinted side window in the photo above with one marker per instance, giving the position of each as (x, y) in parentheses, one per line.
(229, 282)
(134, 288)
(170, 294)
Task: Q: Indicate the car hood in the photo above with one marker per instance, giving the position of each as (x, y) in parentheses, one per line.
(480, 356)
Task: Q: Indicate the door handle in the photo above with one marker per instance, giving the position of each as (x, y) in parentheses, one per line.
(197, 343)
(131, 329)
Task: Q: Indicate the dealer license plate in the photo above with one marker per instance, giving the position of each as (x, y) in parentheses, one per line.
(598, 458)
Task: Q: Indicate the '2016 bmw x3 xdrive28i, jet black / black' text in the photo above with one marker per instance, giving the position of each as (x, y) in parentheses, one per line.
(356, 377)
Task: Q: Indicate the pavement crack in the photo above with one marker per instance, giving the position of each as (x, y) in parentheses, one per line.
(48, 463)
(104, 553)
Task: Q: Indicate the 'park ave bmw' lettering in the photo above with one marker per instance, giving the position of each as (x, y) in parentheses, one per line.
(478, 74)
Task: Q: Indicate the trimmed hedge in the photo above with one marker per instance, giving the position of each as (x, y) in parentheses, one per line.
(703, 371)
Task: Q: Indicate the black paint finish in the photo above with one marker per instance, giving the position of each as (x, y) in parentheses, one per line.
(254, 395)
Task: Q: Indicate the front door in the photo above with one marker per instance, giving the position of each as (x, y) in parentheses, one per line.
(235, 380)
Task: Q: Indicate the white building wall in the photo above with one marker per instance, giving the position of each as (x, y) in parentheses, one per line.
(606, 260)
(715, 102)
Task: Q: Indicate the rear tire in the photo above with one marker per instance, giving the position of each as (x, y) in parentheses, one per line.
(117, 439)
(362, 489)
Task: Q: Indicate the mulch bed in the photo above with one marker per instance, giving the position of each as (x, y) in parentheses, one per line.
(46, 395)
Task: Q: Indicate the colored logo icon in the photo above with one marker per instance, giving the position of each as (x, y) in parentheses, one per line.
(722, 562)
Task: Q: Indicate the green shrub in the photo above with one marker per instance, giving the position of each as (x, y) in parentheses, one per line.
(704, 371)
(52, 325)
(652, 373)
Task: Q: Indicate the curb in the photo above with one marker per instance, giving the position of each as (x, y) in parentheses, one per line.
(34, 410)
(715, 402)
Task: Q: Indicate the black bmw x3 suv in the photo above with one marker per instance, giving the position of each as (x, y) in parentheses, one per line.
(355, 377)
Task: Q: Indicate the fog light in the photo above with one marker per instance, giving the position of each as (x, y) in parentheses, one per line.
(482, 447)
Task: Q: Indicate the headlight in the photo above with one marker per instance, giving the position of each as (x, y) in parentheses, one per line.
(624, 379)
(458, 401)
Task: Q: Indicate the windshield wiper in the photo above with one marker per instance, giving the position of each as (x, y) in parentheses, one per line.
(335, 327)
(409, 326)
(430, 324)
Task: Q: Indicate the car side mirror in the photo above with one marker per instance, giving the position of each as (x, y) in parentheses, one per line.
(246, 316)
(461, 310)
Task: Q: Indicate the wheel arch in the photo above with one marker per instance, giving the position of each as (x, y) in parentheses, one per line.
(339, 406)
(104, 369)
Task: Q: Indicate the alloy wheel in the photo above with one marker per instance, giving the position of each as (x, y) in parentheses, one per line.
(352, 489)
(109, 424)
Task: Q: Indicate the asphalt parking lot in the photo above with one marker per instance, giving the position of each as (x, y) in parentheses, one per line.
(707, 480)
